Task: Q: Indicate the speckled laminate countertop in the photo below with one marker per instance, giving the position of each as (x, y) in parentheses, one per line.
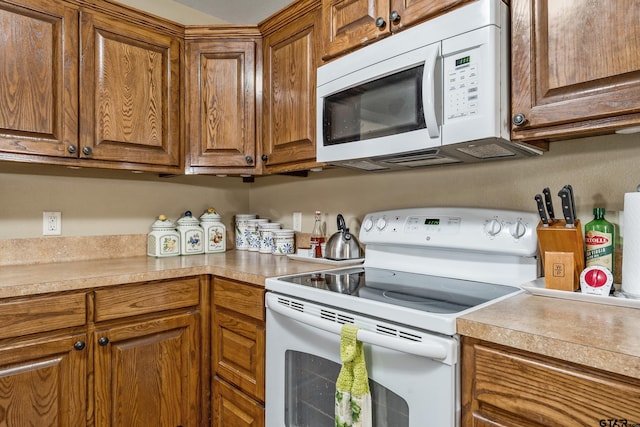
(591, 334)
(250, 267)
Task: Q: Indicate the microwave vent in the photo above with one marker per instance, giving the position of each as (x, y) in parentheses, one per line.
(415, 160)
(486, 151)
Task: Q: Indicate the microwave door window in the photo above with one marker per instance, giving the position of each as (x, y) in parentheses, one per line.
(387, 106)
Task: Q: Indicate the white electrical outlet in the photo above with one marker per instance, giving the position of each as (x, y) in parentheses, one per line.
(51, 223)
(297, 221)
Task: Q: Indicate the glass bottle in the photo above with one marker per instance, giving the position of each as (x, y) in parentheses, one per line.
(317, 236)
(600, 241)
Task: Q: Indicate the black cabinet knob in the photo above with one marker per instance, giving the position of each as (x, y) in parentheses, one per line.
(249, 160)
(394, 17)
(264, 157)
(72, 148)
(87, 151)
(380, 22)
(103, 341)
(79, 345)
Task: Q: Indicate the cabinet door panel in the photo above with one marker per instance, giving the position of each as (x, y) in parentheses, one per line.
(43, 383)
(352, 23)
(130, 92)
(290, 92)
(233, 408)
(574, 69)
(413, 11)
(147, 373)
(222, 105)
(38, 78)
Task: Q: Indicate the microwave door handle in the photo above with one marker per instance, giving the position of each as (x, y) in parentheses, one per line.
(431, 350)
(429, 92)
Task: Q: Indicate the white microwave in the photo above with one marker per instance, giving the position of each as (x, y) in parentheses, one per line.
(435, 94)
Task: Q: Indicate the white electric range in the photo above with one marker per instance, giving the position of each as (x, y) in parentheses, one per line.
(423, 268)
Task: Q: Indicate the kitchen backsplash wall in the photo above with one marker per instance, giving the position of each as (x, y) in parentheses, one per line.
(97, 202)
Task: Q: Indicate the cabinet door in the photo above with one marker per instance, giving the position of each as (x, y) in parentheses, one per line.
(410, 12)
(233, 408)
(130, 102)
(38, 78)
(146, 373)
(43, 382)
(222, 104)
(290, 93)
(574, 70)
(348, 24)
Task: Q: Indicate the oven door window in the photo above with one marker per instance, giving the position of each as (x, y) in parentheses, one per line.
(310, 386)
(387, 106)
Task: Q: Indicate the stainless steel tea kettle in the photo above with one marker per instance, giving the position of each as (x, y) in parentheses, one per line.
(343, 245)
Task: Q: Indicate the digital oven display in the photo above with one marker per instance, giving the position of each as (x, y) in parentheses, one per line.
(463, 61)
(432, 221)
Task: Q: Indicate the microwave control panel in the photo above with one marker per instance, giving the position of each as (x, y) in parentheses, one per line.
(461, 84)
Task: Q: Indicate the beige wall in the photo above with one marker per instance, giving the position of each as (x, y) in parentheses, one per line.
(600, 169)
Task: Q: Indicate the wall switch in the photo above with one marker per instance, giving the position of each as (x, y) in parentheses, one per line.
(51, 223)
(297, 221)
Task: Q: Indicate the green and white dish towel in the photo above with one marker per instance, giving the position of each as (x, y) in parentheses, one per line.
(353, 398)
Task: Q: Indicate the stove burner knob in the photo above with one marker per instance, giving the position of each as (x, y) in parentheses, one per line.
(381, 223)
(518, 230)
(368, 224)
(493, 227)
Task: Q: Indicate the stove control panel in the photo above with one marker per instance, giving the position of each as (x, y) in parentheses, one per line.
(469, 229)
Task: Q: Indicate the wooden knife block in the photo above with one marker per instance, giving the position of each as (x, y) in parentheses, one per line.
(562, 251)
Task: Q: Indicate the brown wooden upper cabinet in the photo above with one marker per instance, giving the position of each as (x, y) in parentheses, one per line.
(349, 24)
(86, 88)
(222, 104)
(289, 98)
(575, 68)
(130, 92)
(38, 79)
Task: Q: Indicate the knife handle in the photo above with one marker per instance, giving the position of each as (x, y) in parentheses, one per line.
(541, 210)
(549, 203)
(567, 210)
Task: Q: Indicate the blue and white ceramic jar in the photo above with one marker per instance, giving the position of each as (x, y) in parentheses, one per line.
(191, 235)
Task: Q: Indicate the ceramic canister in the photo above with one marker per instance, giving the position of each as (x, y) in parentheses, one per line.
(266, 236)
(242, 243)
(191, 235)
(163, 240)
(283, 242)
(253, 233)
(215, 232)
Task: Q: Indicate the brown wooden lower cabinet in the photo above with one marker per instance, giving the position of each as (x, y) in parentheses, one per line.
(238, 354)
(117, 356)
(502, 386)
(233, 408)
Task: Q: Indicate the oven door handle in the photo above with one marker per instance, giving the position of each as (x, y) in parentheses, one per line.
(431, 350)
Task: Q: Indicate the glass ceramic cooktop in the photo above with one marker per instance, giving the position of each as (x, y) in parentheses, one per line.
(417, 291)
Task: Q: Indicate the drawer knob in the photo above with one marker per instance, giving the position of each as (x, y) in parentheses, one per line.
(381, 23)
(103, 341)
(394, 17)
(72, 148)
(79, 345)
(518, 119)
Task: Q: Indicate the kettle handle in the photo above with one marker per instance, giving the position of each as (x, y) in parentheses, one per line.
(342, 228)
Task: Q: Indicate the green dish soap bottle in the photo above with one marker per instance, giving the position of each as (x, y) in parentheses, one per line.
(600, 241)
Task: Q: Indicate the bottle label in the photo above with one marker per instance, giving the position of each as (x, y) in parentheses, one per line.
(599, 249)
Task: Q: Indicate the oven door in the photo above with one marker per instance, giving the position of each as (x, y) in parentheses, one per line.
(408, 387)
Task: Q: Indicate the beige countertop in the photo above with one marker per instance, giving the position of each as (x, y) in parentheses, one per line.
(250, 267)
(600, 336)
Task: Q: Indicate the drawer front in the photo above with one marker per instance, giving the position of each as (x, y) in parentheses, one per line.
(239, 297)
(542, 391)
(144, 298)
(42, 314)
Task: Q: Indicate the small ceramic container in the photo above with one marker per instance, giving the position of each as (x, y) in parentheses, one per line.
(215, 232)
(163, 240)
(283, 242)
(253, 233)
(266, 236)
(242, 241)
(191, 235)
